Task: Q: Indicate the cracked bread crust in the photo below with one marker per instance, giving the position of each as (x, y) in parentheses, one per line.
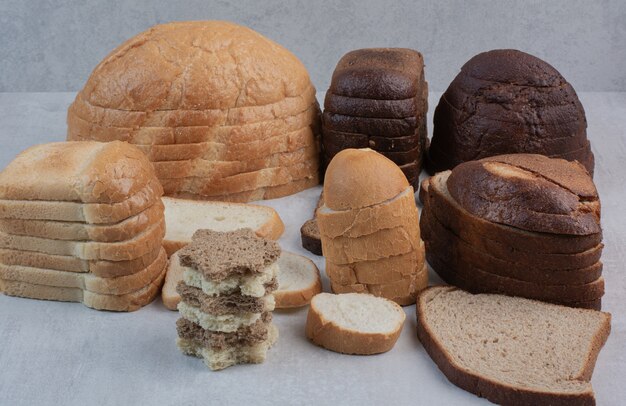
(530, 192)
(218, 255)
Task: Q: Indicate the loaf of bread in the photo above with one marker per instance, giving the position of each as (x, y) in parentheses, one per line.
(89, 231)
(369, 228)
(512, 351)
(506, 102)
(235, 118)
(522, 225)
(378, 99)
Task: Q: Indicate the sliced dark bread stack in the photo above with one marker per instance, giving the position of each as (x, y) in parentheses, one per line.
(378, 99)
(505, 102)
(521, 225)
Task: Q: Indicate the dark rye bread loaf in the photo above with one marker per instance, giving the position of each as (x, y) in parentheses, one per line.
(218, 255)
(353, 106)
(455, 217)
(530, 192)
(378, 73)
(514, 264)
(515, 351)
(507, 101)
(218, 341)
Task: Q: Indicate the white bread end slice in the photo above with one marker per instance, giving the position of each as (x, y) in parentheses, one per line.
(298, 281)
(512, 350)
(183, 217)
(354, 323)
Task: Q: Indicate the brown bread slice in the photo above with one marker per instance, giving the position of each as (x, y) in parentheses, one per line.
(530, 192)
(390, 127)
(512, 351)
(234, 303)
(451, 214)
(310, 235)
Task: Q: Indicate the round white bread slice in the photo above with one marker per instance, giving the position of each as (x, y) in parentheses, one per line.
(394, 212)
(354, 323)
(183, 217)
(298, 281)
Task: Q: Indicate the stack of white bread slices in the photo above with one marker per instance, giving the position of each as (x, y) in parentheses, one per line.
(82, 222)
(226, 297)
(222, 112)
(369, 226)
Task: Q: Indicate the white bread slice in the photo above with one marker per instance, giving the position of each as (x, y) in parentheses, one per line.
(214, 169)
(86, 281)
(247, 285)
(262, 193)
(228, 151)
(175, 271)
(183, 217)
(403, 291)
(298, 281)
(96, 213)
(380, 244)
(512, 350)
(216, 360)
(120, 303)
(357, 222)
(354, 323)
(244, 181)
(382, 270)
(80, 231)
(136, 247)
(100, 268)
(80, 129)
(89, 172)
(285, 107)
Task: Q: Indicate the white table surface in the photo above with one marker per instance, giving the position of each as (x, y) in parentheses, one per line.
(66, 354)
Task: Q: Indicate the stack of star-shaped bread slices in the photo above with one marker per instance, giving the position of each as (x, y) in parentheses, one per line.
(82, 222)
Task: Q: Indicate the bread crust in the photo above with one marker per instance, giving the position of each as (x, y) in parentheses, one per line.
(453, 216)
(286, 299)
(495, 391)
(332, 337)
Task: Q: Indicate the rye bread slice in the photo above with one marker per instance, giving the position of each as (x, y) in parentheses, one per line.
(444, 241)
(451, 214)
(334, 141)
(535, 261)
(390, 127)
(219, 255)
(233, 303)
(355, 106)
(530, 192)
(512, 351)
(310, 232)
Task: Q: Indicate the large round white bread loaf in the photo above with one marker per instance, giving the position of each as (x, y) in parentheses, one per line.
(354, 323)
(227, 87)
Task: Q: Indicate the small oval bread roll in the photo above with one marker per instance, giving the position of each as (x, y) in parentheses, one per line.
(354, 323)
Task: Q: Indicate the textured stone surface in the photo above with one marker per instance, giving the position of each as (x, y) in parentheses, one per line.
(48, 45)
(63, 353)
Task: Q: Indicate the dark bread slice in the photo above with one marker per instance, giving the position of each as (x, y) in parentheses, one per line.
(388, 127)
(310, 232)
(456, 271)
(336, 140)
(233, 303)
(451, 214)
(530, 192)
(399, 158)
(445, 243)
(379, 73)
(514, 351)
(218, 255)
(354, 106)
(218, 341)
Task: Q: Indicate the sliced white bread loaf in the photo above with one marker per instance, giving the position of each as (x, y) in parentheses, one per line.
(136, 247)
(354, 223)
(86, 281)
(510, 350)
(298, 281)
(354, 323)
(81, 231)
(184, 217)
(121, 303)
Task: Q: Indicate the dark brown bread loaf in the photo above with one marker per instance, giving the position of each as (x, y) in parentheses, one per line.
(507, 101)
(453, 216)
(530, 192)
(379, 73)
(537, 268)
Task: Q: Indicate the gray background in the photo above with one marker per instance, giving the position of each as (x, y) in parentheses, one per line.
(54, 45)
